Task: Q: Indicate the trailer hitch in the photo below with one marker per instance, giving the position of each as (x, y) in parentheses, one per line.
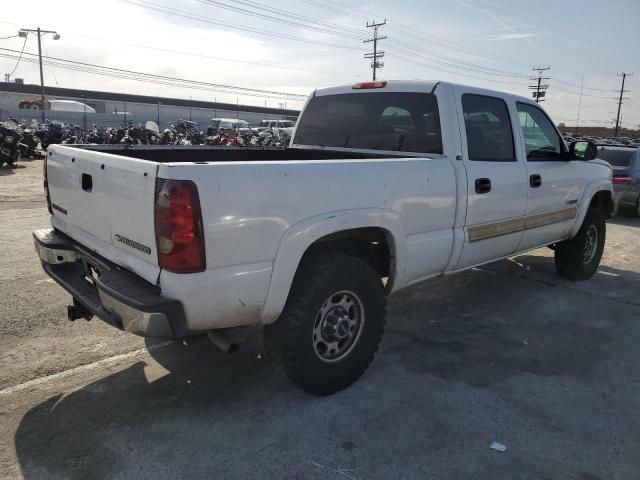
(77, 310)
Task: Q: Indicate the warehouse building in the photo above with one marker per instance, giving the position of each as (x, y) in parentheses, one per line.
(23, 102)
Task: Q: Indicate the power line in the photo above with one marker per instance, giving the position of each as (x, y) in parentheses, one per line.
(153, 78)
(263, 16)
(18, 62)
(422, 64)
(376, 54)
(211, 21)
(282, 16)
(211, 57)
(44, 48)
(328, 28)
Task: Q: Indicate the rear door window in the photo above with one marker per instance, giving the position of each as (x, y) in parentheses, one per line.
(488, 127)
(407, 122)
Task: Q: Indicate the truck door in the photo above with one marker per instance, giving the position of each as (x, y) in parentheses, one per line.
(554, 184)
(496, 179)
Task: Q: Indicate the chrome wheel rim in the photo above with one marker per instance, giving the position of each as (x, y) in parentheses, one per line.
(338, 326)
(590, 244)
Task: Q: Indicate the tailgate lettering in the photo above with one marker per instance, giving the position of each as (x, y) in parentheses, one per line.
(133, 244)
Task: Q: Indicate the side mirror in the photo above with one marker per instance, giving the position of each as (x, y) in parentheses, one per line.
(583, 150)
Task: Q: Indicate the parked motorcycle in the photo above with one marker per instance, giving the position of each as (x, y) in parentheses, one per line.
(50, 132)
(152, 133)
(29, 144)
(10, 135)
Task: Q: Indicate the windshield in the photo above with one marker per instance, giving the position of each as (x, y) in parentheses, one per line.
(617, 158)
(407, 122)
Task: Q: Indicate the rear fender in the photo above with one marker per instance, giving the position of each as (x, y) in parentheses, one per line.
(300, 236)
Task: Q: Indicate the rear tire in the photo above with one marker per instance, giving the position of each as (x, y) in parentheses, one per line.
(579, 258)
(332, 323)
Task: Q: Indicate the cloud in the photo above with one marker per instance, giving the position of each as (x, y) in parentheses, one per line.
(509, 36)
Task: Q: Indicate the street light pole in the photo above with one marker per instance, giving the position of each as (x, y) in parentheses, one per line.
(23, 33)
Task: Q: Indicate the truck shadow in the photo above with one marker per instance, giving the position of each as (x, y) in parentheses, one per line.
(6, 170)
(74, 436)
(628, 219)
(510, 318)
(478, 328)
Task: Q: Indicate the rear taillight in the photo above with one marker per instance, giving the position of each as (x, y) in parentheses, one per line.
(179, 232)
(622, 180)
(45, 183)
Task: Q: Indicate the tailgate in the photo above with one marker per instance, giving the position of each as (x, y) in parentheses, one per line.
(106, 203)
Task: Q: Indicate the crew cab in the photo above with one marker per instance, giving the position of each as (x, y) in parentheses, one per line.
(384, 184)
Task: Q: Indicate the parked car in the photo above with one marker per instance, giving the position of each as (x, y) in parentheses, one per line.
(227, 125)
(384, 185)
(271, 124)
(626, 176)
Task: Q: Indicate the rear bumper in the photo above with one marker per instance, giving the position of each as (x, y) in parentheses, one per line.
(112, 294)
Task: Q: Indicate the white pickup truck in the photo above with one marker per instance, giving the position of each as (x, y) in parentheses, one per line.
(385, 184)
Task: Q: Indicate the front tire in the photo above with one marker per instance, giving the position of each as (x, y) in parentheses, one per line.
(579, 258)
(332, 323)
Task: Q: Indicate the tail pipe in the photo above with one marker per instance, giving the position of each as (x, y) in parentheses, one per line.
(222, 341)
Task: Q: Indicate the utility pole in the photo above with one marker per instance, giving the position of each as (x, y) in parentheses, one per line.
(579, 104)
(539, 88)
(56, 36)
(622, 90)
(375, 55)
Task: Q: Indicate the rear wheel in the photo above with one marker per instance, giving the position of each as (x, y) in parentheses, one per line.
(332, 324)
(579, 258)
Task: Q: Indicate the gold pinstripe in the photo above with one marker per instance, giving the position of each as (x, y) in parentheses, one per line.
(483, 232)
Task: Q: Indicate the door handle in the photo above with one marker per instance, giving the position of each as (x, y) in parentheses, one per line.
(535, 180)
(483, 185)
(87, 182)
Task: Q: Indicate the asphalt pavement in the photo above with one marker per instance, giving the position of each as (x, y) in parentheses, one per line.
(508, 353)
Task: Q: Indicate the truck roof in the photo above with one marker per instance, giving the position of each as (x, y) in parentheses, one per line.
(410, 86)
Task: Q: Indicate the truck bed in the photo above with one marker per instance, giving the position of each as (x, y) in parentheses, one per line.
(215, 153)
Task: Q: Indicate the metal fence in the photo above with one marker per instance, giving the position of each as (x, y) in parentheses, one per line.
(164, 115)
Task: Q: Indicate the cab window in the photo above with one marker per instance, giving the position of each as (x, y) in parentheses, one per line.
(488, 127)
(541, 140)
(391, 121)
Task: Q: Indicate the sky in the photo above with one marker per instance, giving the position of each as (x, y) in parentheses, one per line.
(295, 46)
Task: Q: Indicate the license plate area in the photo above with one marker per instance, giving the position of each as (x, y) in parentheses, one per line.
(91, 271)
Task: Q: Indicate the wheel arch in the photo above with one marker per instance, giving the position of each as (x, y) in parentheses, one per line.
(376, 235)
(597, 194)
